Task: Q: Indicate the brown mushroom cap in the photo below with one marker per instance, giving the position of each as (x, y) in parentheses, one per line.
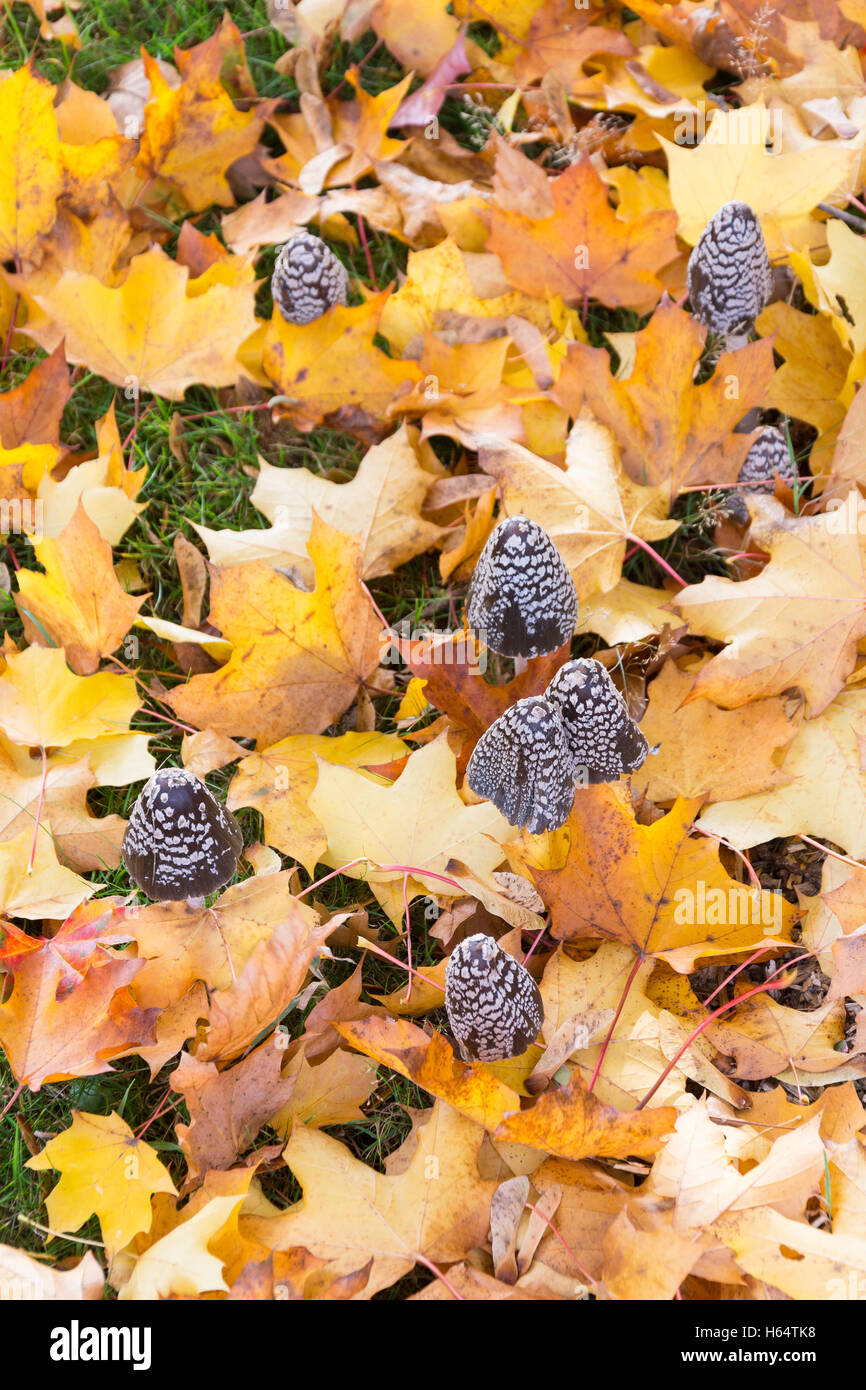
(180, 841)
(523, 764)
(308, 279)
(729, 273)
(494, 1006)
(603, 739)
(522, 600)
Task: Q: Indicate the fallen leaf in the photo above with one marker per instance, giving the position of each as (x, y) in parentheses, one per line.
(105, 1172)
(154, 335)
(656, 887)
(330, 370)
(78, 603)
(583, 249)
(671, 432)
(706, 751)
(350, 1212)
(418, 821)
(381, 504)
(798, 622)
(299, 658)
(573, 1123)
(47, 1040)
(474, 1090)
(192, 133)
(269, 981)
(279, 780)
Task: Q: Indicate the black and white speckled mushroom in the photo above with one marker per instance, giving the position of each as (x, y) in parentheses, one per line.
(307, 279)
(523, 764)
(180, 841)
(493, 1004)
(603, 739)
(729, 273)
(768, 457)
(522, 600)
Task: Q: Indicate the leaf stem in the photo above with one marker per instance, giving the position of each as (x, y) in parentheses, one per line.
(615, 1020)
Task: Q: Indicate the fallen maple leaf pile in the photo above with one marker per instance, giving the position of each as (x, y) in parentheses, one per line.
(690, 1122)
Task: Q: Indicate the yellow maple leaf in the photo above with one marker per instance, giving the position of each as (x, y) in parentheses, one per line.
(299, 658)
(739, 160)
(192, 133)
(657, 887)
(42, 704)
(438, 284)
(105, 1172)
(798, 622)
(822, 791)
(332, 370)
(43, 888)
(278, 781)
(149, 333)
(181, 1262)
(350, 1211)
(419, 821)
(31, 175)
(381, 504)
(78, 603)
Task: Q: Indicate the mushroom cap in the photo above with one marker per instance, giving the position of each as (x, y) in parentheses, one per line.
(494, 1006)
(768, 456)
(603, 739)
(522, 599)
(180, 841)
(729, 273)
(307, 279)
(523, 764)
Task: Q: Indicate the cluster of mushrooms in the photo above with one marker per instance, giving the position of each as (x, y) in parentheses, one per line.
(182, 843)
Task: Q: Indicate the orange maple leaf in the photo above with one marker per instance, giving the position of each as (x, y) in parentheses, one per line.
(670, 431)
(46, 1039)
(192, 133)
(331, 371)
(656, 887)
(299, 658)
(583, 250)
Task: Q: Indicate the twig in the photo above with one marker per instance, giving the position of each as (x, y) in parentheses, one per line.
(615, 1020)
(857, 224)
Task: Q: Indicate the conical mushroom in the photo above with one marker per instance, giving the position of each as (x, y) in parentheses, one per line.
(307, 279)
(768, 457)
(494, 1006)
(729, 273)
(180, 841)
(603, 739)
(522, 600)
(524, 765)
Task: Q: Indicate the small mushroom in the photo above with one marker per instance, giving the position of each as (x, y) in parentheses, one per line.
(768, 457)
(729, 273)
(603, 739)
(180, 841)
(522, 600)
(307, 279)
(494, 1006)
(523, 764)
